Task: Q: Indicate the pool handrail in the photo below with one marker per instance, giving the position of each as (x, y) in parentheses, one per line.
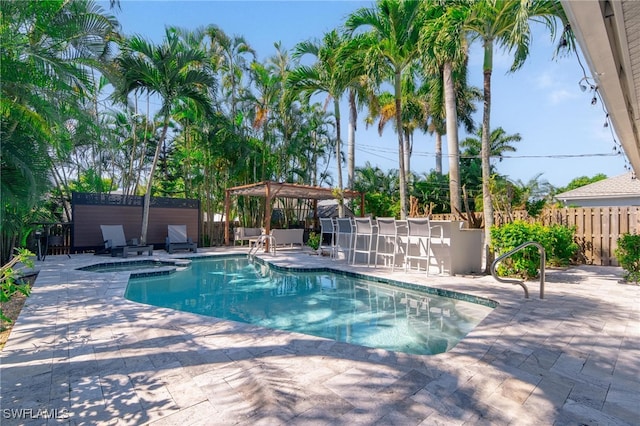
(521, 282)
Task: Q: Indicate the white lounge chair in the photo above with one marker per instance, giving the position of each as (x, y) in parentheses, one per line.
(116, 243)
(177, 239)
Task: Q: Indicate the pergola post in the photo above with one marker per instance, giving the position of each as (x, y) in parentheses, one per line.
(227, 210)
(267, 215)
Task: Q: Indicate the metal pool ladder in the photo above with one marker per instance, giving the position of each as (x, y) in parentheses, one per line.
(521, 282)
(260, 242)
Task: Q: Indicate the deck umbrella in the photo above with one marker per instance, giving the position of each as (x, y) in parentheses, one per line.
(270, 190)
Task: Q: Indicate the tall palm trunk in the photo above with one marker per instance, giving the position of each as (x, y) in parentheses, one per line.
(336, 106)
(452, 138)
(401, 168)
(438, 152)
(486, 151)
(407, 154)
(351, 153)
(147, 194)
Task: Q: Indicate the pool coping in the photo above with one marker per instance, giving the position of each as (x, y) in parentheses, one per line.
(572, 357)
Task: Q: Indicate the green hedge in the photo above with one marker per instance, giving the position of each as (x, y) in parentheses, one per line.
(628, 255)
(557, 240)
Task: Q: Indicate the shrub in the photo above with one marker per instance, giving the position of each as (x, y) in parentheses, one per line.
(561, 246)
(314, 240)
(10, 280)
(557, 241)
(628, 255)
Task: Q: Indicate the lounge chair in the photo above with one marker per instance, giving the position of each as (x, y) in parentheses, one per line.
(116, 243)
(177, 239)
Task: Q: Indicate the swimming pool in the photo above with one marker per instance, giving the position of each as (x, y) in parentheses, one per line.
(406, 318)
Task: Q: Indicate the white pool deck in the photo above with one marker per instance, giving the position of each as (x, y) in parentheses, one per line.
(83, 354)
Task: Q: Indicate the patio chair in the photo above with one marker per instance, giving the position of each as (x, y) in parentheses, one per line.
(388, 241)
(328, 236)
(365, 234)
(344, 237)
(419, 235)
(116, 243)
(177, 239)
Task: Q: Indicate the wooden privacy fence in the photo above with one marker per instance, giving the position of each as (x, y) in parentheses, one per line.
(92, 210)
(597, 228)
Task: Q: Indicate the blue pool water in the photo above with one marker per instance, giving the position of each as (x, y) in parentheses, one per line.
(323, 304)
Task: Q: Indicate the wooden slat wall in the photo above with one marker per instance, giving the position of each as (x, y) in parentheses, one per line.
(597, 228)
(88, 218)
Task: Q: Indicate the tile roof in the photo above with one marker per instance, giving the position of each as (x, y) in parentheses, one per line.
(616, 187)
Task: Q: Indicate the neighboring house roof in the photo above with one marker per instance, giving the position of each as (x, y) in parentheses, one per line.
(622, 186)
(329, 208)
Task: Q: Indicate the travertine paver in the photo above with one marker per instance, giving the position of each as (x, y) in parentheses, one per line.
(82, 353)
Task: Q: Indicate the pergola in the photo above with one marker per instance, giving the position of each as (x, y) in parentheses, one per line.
(270, 190)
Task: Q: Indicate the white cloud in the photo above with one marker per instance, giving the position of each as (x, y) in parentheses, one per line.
(561, 95)
(544, 80)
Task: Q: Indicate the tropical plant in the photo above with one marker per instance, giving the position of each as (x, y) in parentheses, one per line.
(505, 24)
(380, 190)
(174, 73)
(628, 255)
(10, 278)
(557, 240)
(359, 93)
(233, 56)
(389, 48)
(471, 168)
(500, 143)
(324, 76)
(48, 50)
(535, 194)
(432, 190)
(445, 55)
(415, 112)
(314, 240)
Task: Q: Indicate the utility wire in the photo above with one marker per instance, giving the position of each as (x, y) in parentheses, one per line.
(375, 150)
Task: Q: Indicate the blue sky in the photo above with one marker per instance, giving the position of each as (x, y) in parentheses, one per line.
(563, 134)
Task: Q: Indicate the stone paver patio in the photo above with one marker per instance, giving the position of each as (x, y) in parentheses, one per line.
(83, 354)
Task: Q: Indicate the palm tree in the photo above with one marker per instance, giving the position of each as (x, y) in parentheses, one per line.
(380, 189)
(324, 76)
(172, 72)
(262, 104)
(471, 160)
(285, 108)
(501, 142)
(535, 189)
(415, 113)
(445, 53)
(505, 24)
(389, 49)
(47, 52)
(360, 92)
(234, 58)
